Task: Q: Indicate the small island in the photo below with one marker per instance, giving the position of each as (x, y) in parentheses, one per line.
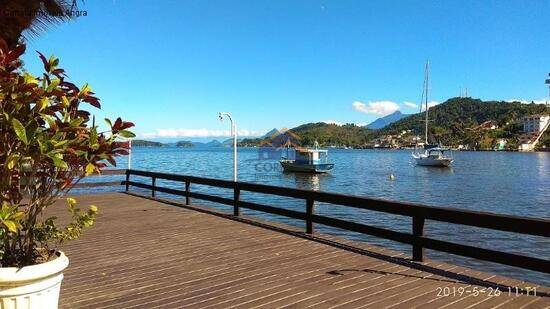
(142, 143)
(185, 144)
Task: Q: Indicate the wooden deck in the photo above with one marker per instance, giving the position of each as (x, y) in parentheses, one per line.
(147, 254)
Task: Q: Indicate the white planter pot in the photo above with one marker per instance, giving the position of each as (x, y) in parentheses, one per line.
(35, 286)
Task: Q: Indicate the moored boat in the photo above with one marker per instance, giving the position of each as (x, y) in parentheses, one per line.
(307, 160)
(433, 155)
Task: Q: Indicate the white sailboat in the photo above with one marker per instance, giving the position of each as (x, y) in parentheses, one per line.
(431, 155)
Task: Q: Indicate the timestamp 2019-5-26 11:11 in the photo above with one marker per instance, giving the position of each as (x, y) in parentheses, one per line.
(485, 291)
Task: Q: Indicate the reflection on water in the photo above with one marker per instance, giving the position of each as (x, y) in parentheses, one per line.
(507, 183)
(306, 181)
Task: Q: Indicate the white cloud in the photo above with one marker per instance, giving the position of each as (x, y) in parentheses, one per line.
(430, 105)
(410, 104)
(338, 123)
(381, 108)
(196, 133)
(536, 101)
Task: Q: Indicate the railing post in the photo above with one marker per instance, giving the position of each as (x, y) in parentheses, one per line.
(418, 231)
(127, 180)
(236, 198)
(187, 191)
(154, 181)
(310, 210)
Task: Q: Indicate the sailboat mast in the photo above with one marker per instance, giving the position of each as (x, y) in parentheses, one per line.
(426, 85)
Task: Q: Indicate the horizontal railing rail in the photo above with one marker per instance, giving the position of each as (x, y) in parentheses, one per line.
(418, 213)
(109, 172)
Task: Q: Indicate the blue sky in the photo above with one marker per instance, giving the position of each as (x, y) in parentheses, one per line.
(170, 66)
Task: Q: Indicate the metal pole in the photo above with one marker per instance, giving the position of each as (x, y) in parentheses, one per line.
(130, 154)
(234, 135)
(234, 151)
(426, 98)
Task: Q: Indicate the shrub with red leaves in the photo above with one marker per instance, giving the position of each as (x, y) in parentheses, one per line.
(47, 144)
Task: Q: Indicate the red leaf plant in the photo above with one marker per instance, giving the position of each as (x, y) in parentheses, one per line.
(47, 145)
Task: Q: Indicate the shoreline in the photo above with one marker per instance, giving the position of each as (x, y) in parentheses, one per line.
(341, 148)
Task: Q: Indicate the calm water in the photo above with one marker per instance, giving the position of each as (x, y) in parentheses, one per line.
(506, 183)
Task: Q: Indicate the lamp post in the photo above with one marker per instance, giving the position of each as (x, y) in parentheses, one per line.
(130, 154)
(234, 135)
(548, 83)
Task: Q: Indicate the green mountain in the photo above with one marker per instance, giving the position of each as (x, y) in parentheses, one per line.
(458, 121)
(324, 133)
(386, 120)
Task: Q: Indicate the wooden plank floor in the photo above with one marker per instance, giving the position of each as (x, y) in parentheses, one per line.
(147, 254)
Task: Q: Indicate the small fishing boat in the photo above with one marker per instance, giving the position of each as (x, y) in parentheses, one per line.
(307, 160)
(433, 155)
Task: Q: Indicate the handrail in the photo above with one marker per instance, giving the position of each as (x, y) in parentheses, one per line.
(419, 214)
(108, 172)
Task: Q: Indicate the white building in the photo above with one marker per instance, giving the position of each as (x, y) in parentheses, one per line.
(535, 123)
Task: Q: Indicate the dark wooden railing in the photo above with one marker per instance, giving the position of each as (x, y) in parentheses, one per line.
(418, 213)
(103, 183)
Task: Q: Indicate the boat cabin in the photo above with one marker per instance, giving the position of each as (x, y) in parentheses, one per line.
(436, 152)
(311, 156)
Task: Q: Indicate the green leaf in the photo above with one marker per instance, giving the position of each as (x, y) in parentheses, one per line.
(20, 131)
(59, 163)
(12, 160)
(49, 119)
(54, 83)
(60, 143)
(127, 134)
(80, 153)
(93, 138)
(18, 215)
(90, 169)
(71, 201)
(29, 79)
(85, 89)
(53, 62)
(11, 225)
(65, 101)
(76, 122)
(42, 103)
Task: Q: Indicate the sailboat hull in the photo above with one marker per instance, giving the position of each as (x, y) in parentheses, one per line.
(437, 162)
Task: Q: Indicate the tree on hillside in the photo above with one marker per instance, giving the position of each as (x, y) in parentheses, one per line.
(19, 18)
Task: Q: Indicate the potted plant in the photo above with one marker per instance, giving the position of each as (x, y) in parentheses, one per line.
(48, 142)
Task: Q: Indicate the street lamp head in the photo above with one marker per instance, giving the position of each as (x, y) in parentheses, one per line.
(224, 114)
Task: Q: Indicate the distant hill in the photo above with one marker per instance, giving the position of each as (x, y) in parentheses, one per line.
(324, 133)
(142, 143)
(229, 142)
(454, 122)
(270, 133)
(185, 144)
(386, 120)
(214, 143)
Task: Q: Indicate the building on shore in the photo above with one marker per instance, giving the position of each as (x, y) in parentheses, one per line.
(533, 128)
(535, 123)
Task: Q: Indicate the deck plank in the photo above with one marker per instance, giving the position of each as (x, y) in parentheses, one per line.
(143, 253)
